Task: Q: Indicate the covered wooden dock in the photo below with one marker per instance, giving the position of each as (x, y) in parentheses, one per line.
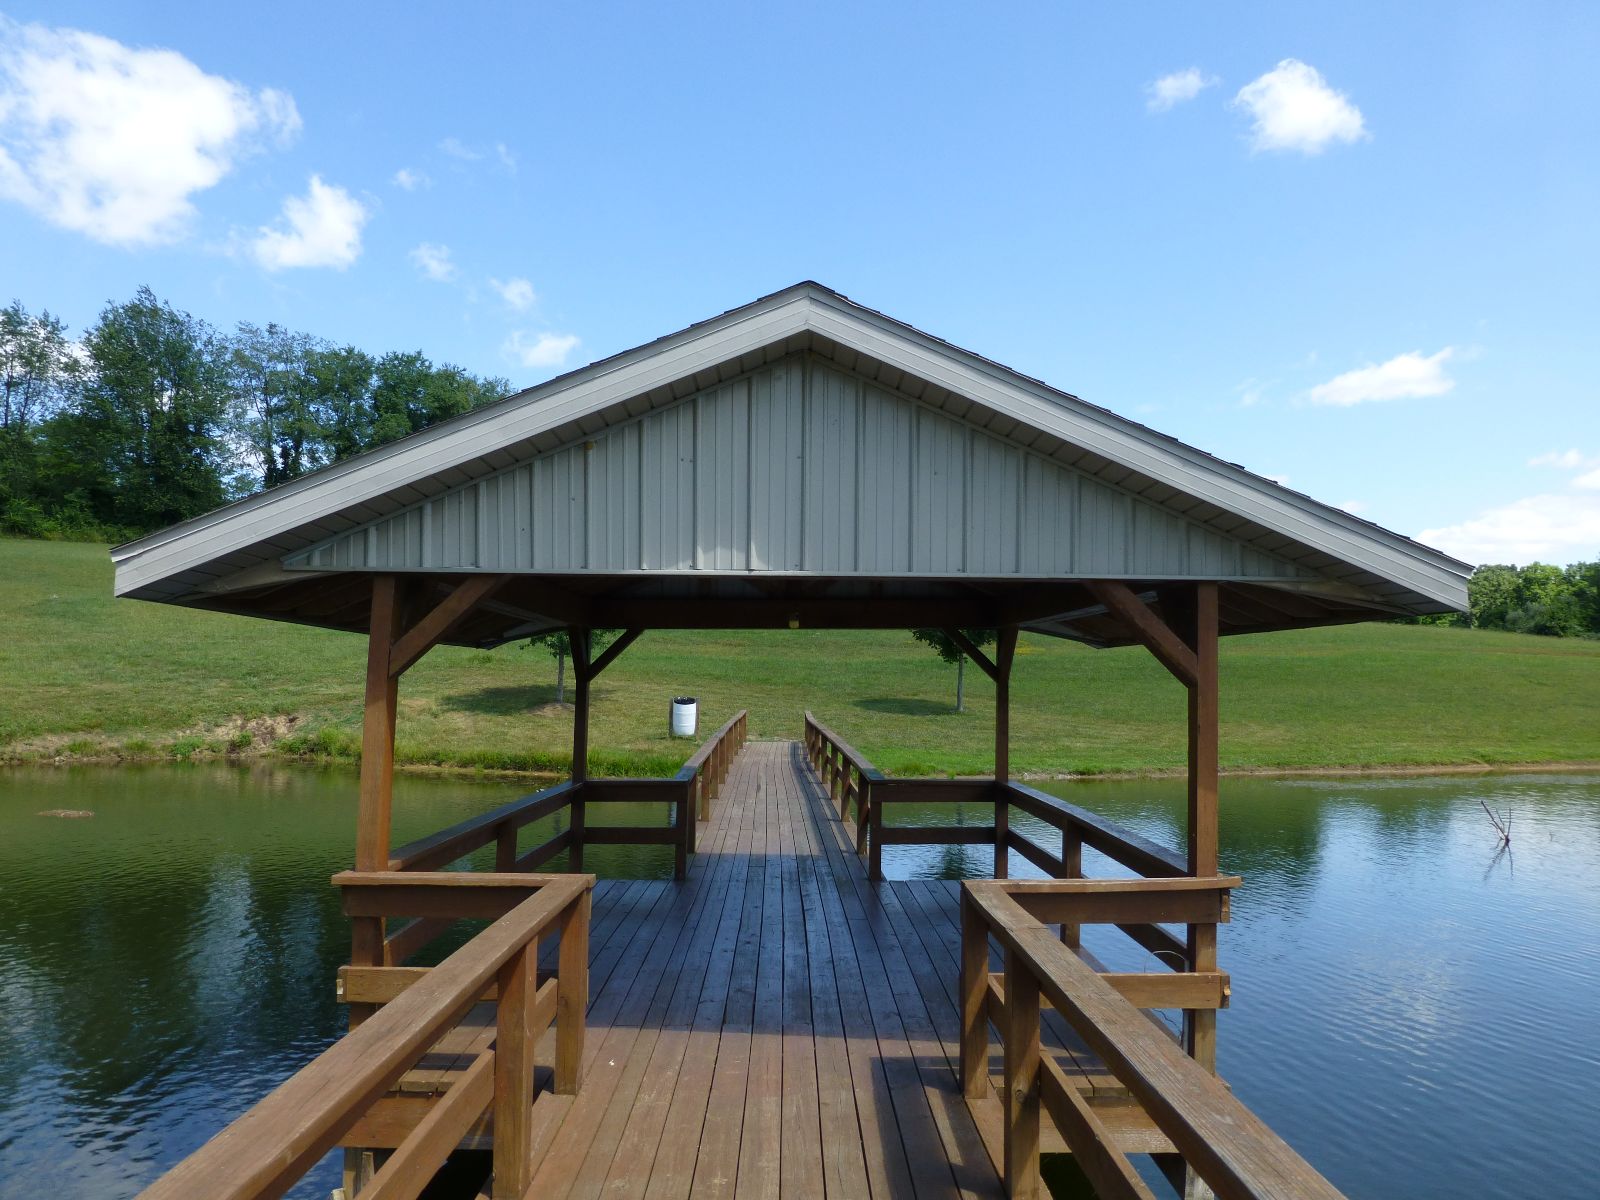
(779, 1019)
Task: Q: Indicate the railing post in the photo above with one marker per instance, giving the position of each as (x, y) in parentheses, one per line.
(505, 848)
(974, 989)
(1022, 1080)
(513, 1073)
(863, 803)
(701, 795)
(683, 846)
(875, 840)
(572, 996)
(1072, 864)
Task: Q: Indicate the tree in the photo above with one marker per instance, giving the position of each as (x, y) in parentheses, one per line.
(274, 396)
(144, 445)
(947, 648)
(340, 381)
(559, 643)
(37, 367)
(1491, 595)
(410, 393)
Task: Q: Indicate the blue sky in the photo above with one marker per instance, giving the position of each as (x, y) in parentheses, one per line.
(1354, 245)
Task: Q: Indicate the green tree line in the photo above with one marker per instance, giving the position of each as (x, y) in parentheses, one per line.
(1538, 598)
(152, 415)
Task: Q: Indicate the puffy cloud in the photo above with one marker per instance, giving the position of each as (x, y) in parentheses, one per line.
(320, 229)
(456, 148)
(1546, 528)
(410, 180)
(1590, 480)
(1177, 88)
(540, 349)
(434, 261)
(1293, 108)
(1403, 377)
(114, 142)
(517, 292)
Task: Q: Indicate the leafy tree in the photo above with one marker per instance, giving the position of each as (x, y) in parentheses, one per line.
(37, 367)
(945, 646)
(275, 400)
(340, 381)
(559, 643)
(409, 393)
(1491, 595)
(144, 445)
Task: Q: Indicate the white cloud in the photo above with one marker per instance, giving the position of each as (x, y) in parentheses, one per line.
(507, 159)
(1562, 460)
(1177, 88)
(434, 261)
(112, 141)
(1403, 377)
(320, 229)
(1590, 480)
(1294, 109)
(540, 349)
(410, 180)
(516, 292)
(1547, 528)
(456, 148)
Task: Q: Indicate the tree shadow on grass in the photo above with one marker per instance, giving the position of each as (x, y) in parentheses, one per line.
(907, 707)
(504, 701)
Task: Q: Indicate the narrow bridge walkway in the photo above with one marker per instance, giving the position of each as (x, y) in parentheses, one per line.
(775, 1025)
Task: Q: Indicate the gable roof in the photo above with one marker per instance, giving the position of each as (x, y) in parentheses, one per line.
(226, 558)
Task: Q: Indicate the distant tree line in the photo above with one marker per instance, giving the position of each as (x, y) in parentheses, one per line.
(152, 415)
(1537, 598)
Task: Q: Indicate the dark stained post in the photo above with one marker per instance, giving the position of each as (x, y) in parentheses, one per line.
(580, 738)
(1200, 1033)
(377, 729)
(1005, 651)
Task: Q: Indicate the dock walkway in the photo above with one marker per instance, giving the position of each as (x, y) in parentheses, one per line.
(774, 1025)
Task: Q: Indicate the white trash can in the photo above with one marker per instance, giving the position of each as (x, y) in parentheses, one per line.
(685, 716)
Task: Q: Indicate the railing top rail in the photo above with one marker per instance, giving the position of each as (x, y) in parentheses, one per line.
(698, 758)
(1230, 1147)
(1109, 837)
(263, 1152)
(451, 843)
(854, 756)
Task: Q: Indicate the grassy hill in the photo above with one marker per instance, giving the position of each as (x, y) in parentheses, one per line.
(82, 675)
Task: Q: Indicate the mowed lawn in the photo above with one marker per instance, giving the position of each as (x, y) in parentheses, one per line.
(84, 675)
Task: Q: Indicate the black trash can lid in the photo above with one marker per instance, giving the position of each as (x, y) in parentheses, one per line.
(683, 700)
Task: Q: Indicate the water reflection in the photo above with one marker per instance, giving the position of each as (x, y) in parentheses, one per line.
(1411, 1015)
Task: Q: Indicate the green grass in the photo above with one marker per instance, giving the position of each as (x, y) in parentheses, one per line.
(82, 675)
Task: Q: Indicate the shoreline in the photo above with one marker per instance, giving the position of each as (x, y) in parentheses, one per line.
(268, 755)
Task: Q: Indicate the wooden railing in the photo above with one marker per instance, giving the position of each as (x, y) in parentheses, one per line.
(690, 789)
(1220, 1140)
(265, 1151)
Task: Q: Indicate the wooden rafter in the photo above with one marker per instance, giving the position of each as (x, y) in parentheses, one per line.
(967, 647)
(444, 617)
(612, 652)
(1156, 635)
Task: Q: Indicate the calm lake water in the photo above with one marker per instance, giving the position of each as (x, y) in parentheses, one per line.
(1413, 1012)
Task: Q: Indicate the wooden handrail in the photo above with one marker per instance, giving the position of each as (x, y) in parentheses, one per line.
(446, 846)
(1117, 842)
(1221, 1140)
(265, 1151)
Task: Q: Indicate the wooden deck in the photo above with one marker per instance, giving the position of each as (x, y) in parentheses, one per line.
(777, 1024)
(774, 1025)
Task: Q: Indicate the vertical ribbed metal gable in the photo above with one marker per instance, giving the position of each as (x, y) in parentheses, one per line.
(796, 467)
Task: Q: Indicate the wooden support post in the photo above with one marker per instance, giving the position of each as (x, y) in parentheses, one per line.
(683, 845)
(863, 806)
(505, 849)
(1071, 868)
(1022, 1080)
(1199, 633)
(572, 996)
(1005, 652)
(377, 729)
(513, 1073)
(974, 992)
(875, 840)
(579, 638)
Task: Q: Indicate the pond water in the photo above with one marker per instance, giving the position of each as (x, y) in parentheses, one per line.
(1413, 1012)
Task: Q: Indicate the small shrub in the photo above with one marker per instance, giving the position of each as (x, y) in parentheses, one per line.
(187, 747)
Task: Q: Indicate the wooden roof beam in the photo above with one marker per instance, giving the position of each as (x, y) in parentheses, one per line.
(1156, 635)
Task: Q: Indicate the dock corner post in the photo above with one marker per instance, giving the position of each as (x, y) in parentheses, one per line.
(572, 995)
(1200, 632)
(1005, 653)
(875, 839)
(513, 1074)
(1022, 1080)
(863, 806)
(581, 677)
(974, 992)
(683, 844)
